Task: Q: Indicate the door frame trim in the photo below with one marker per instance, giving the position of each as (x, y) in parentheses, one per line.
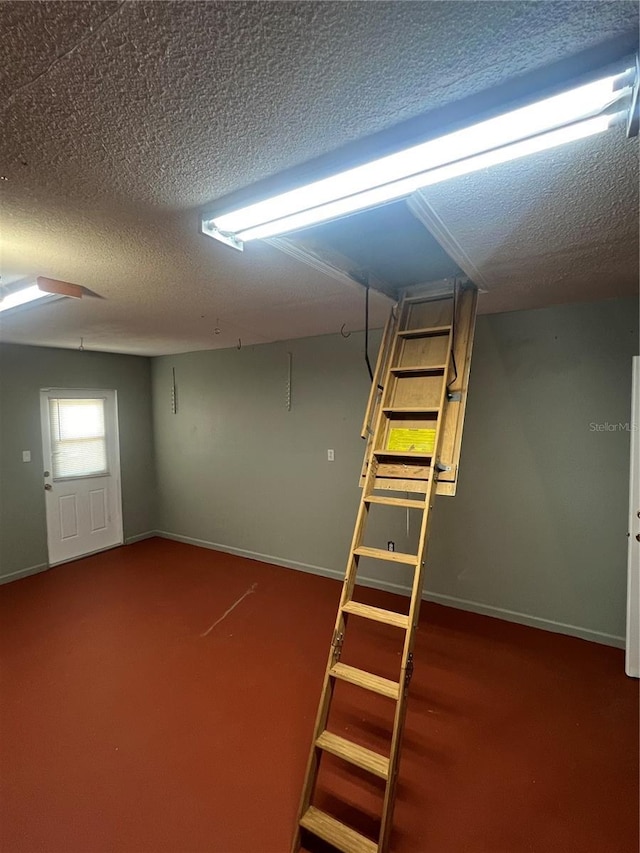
(632, 654)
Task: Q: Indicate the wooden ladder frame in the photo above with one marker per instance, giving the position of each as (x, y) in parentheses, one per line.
(401, 471)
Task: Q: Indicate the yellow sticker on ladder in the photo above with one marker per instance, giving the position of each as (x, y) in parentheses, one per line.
(411, 440)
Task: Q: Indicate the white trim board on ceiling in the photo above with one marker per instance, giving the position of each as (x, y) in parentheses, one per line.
(424, 213)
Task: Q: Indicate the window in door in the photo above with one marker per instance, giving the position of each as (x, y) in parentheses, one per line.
(78, 438)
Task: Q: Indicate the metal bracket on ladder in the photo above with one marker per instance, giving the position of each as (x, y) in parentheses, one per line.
(408, 673)
(336, 643)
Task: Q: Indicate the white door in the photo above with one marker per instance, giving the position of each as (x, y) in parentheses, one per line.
(81, 472)
(632, 666)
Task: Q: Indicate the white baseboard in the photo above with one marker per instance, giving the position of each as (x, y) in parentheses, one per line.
(23, 573)
(41, 567)
(253, 555)
(149, 534)
(402, 589)
(527, 619)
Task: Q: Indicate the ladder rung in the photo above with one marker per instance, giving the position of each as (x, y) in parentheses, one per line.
(391, 556)
(423, 298)
(355, 754)
(341, 836)
(377, 614)
(367, 680)
(410, 410)
(401, 454)
(380, 499)
(418, 368)
(424, 332)
(394, 482)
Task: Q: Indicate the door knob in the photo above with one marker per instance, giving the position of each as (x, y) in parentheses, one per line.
(48, 487)
(638, 536)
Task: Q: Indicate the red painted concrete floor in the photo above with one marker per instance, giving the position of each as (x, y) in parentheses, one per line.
(126, 727)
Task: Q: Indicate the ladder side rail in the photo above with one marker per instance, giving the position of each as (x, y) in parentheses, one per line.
(405, 678)
(326, 695)
(465, 323)
(414, 614)
(376, 391)
(385, 396)
(313, 763)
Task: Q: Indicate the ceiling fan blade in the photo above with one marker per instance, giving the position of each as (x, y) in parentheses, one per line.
(63, 288)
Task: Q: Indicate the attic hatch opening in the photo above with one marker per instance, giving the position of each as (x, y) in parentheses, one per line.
(576, 113)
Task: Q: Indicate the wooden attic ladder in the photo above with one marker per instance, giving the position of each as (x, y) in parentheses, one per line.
(413, 428)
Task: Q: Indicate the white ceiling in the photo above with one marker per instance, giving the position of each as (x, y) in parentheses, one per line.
(121, 119)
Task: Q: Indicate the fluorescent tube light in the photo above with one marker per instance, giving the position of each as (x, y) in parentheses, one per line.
(22, 297)
(388, 192)
(553, 121)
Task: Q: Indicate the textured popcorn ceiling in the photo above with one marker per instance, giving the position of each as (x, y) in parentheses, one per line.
(120, 119)
(557, 227)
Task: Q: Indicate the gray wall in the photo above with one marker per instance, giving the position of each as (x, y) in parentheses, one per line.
(235, 468)
(539, 525)
(23, 372)
(537, 531)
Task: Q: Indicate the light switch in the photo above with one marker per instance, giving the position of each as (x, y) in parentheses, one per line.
(26, 456)
(330, 456)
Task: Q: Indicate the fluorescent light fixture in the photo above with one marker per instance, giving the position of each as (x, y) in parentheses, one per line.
(575, 114)
(22, 297)
(388, 192)
(25, 292)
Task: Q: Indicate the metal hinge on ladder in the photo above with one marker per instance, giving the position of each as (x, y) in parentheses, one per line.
(408, 671)
(338, 640)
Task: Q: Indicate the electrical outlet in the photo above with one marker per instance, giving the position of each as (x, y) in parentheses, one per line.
(391, 546)
(330, 456)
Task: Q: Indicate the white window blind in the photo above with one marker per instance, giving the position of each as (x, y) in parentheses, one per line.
(78, 441)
